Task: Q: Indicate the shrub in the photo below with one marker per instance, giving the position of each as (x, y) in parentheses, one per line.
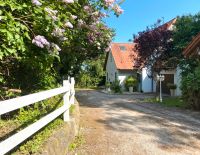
(116, 87)
(107, 84)
(191, 88)
(171, 86)
(30, 114)
(131, 82)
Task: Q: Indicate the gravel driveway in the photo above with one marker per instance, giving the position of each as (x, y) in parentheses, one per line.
(123, 125)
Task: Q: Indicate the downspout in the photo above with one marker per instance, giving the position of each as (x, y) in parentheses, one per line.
(152, 83)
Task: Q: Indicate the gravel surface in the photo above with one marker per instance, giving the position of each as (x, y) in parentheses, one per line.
(124, 125)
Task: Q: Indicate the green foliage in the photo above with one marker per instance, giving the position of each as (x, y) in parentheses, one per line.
(92, 73)
(107, 84)
(72, 109)
(33, 145)
(78, 141)
(116, 87)
(191, 88)
(169, 102)
(26, 66)
(31, 114)
(174, 102)
(186, 27)
(171, 86)
(131, 82)
(28, 115)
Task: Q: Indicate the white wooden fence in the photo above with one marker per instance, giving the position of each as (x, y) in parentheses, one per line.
(16, 103)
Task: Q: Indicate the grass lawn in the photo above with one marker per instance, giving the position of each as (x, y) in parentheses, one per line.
(169, 102)
(88, 88)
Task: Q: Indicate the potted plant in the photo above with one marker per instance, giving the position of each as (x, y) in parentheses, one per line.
(131, 83)
(108, 86)
(172, 88)
(116, 87)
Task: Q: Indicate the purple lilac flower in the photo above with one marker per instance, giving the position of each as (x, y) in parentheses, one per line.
(107, 49)
(93, 27)
(40, 41)
(57, 32)
(118, 10)
(103, 14)
(68, 1)
(36, 2)
(56, 47)
(52, 13)
(80, 22)
(54, 18)
(69, 25)
(87, 8)
(63, 38)
(73, 17)
(91, 38)
(109, 3)
(96, 13)
(98, 44)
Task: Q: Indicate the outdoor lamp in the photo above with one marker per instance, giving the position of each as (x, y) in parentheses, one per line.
(160, 78)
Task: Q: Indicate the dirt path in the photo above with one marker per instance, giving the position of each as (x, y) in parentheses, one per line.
(122, 125)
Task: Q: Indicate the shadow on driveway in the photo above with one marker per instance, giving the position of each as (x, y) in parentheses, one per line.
(169, 128)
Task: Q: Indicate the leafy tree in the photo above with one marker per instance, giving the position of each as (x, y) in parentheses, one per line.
(42, 41)
(190, 86)
(92, 73)
(154, 47)
(186, 28)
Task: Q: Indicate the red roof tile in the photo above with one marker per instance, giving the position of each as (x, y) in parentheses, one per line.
(123, 58)
(169, 24)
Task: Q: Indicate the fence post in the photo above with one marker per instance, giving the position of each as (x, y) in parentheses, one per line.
(72, 90)
(66, 96)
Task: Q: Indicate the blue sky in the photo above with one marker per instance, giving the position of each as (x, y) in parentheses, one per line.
(141, 13)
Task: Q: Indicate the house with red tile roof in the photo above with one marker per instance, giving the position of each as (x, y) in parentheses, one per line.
(120, 64)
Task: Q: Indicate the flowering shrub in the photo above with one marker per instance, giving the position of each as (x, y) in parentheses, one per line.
(40, 41)
(50, 38)
(190, 87)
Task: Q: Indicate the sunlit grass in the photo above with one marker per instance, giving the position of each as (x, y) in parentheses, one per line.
(169, 102)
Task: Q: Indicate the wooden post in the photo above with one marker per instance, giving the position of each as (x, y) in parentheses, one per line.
(72, 90)
(66, 96)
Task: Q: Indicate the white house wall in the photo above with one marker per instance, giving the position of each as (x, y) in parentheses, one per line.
(110, 68)
(122, 75)
(177, 81)
(147, 82)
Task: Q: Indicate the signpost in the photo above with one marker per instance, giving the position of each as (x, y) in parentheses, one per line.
(160, 78)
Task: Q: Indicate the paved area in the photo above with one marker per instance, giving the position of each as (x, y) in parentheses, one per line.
(123, 125)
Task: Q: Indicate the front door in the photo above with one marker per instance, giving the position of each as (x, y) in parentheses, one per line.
(169, 78)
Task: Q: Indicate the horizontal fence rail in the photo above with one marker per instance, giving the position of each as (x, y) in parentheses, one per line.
(16, 103)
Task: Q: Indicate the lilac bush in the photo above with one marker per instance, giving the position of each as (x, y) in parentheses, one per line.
(36, 2)
(40, 41)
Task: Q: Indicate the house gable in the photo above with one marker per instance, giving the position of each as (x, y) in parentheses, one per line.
(111, 69)
(193, 48)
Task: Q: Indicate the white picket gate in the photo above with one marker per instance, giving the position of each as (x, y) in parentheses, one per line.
(19, 102)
